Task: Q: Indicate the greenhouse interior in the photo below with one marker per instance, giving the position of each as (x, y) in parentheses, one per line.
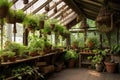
(60, 40)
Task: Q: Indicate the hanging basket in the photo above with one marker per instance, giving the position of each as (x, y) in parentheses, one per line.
(55, 10)
(104, 15)
(84, 24)
(47, 7)
(3, 11)
(52, 26)
(10, 19)
(25, 1)
(104, 20)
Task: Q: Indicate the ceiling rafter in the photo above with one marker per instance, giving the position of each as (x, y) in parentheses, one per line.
(29, 5)
(57, 10)
(60, 13)
(42, 6)
(14, 1)
(67, 14)
(54, 6)
(72, 23)
(72, 4)
(69, 19)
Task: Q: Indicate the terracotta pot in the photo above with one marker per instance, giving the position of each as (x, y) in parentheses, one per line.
(110, 67)
(3, 11)
(5, 58)
(12, 59)
(71, 63)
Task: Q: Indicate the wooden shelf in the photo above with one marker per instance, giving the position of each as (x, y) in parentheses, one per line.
(28, 59)
(84, 62)
(83, 58)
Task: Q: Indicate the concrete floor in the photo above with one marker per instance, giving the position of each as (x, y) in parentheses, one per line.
(83, 74)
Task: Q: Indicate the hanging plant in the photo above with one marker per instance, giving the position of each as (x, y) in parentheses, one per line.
(47, 7)
(4, 8)
(42, 18)
(47, 29)
(25, 1)
(104, 20)
(30, 22)
(55, 9)
(20, 15)
(52, 23)
(11, 17)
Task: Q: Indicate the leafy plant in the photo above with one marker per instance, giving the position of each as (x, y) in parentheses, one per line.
(20, 15)
(99, 56)
(31, 22)
(92, 42)
(71, 54)
(5, 3)
(115, 49)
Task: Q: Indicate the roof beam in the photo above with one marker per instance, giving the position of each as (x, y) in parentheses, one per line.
(73, 5)
(40, 7)
(14, 1)
(72, 23)
(67, 14)
(29, 5)
(60, 13)
(53, 6)
(57, 10)
(69, 19)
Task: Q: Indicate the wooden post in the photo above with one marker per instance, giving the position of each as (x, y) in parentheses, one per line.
(25, 37)
(85, 36)
(68, 42)
(2, 34)
(118, 35)
(100, 41)
(14, 31)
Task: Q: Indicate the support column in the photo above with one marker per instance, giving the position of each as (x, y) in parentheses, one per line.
(9, 32)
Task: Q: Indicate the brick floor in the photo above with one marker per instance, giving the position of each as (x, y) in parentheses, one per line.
(83, 74)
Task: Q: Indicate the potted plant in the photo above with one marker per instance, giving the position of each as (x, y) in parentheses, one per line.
(30, 22)
(52, 23)
(11, 56)
(23, 52)
(71, 56)
(42, 18)
(115, 54)
(91, 42)
(20, 15)
(98, 59)
(75, 44)
(47, 29)
(11, 16)
(25, 1)
(4, 8)
(35, 45)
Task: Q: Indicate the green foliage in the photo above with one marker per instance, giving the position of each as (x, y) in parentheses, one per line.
(47, 27)
(71, 54)
(31, 21)
(20, 14)
(115, 49)
(92, 40)
(99, 55)
(6, 3)
(36, 43)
